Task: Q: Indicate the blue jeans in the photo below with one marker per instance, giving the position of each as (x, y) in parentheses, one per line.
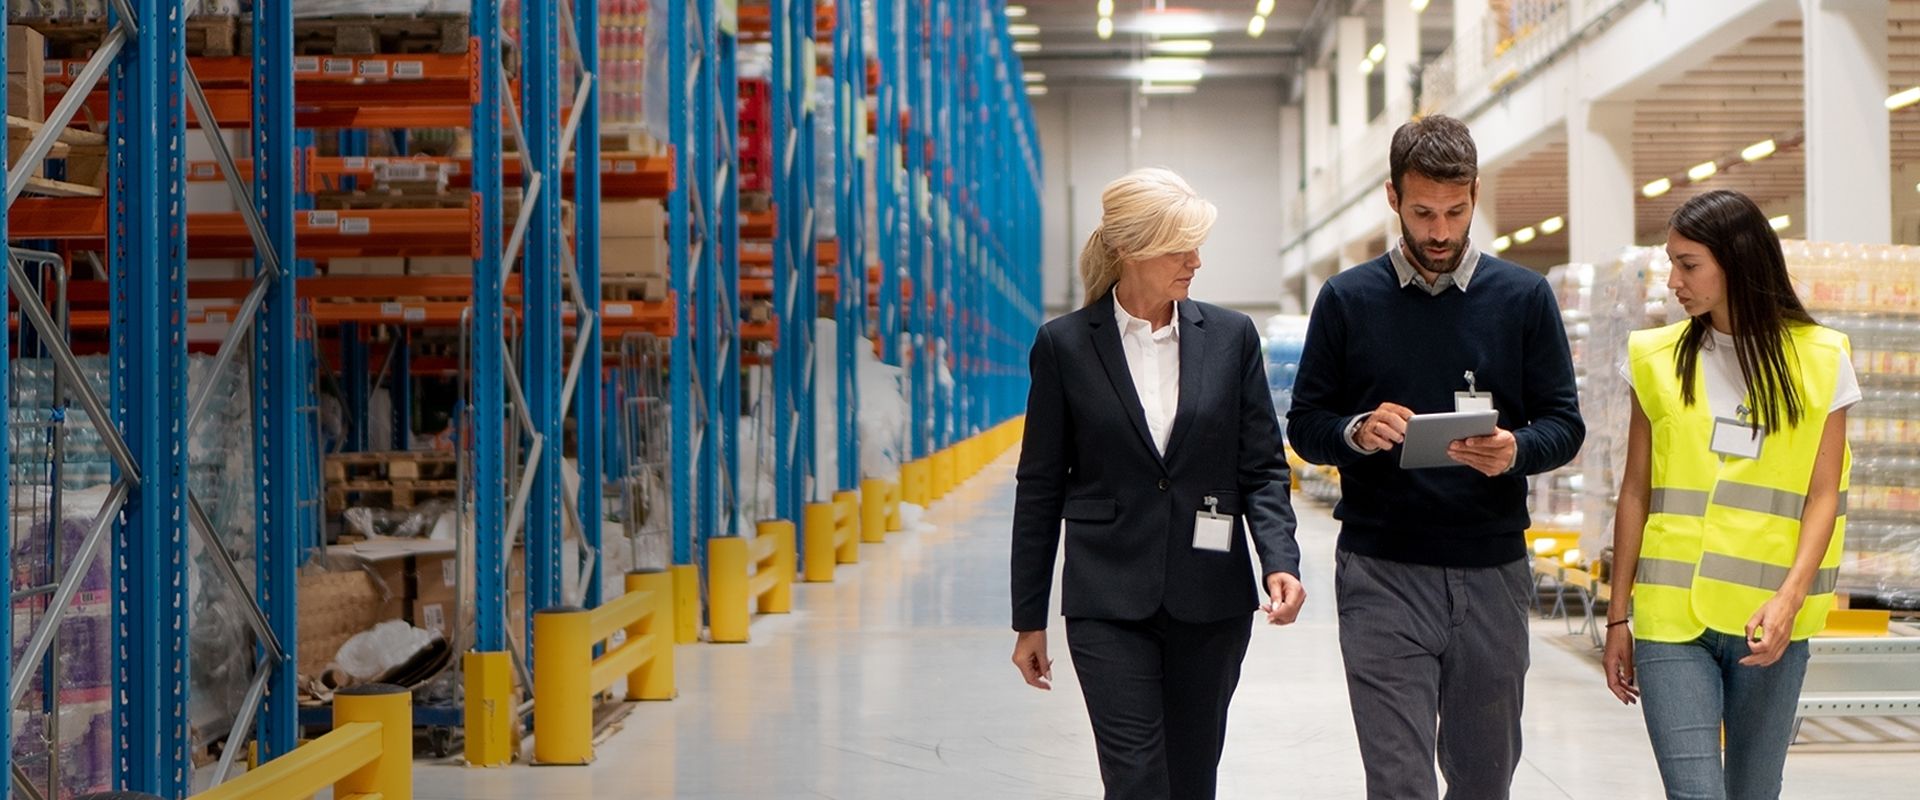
(1690, 690)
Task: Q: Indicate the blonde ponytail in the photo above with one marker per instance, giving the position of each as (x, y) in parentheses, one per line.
(1099, 267)
(1143, 214)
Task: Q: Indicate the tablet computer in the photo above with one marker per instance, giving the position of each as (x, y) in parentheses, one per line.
(1428, 436)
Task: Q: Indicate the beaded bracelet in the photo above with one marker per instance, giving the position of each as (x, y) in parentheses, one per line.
(1611, 625)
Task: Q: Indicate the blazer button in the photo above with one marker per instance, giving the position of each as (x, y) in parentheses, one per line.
(1164, 484)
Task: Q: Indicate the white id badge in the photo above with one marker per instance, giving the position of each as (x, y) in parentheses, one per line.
(1212, 532)
(1472, 401)
(1736, 439)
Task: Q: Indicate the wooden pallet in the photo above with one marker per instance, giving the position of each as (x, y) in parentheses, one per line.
(377, 200)
(209, 36)
(633, 289)
(390, 466)
(373, 34)
(401, 494)
(756, 202)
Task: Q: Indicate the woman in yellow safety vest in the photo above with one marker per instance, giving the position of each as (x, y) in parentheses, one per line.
(1727, 535)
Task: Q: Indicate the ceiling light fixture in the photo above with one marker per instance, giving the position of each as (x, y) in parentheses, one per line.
(1185, 47)
(1418, 6)
(1256, 26)
(1903, 99)
(1703, 171)
(1781, 223)
(1036, 90)
(1378, 53)
(1026, 47)
(1656, 188)
(1172, 22)
(1553, 225)
(1105, 8)
(1366, 66)
(1033, 77)
(1501, 244)
(1524, 235)
(1166, 88)
(1023, 30)
(1104, 27)
(1758, 150)
(1264, 8)
(1016, 11)
(1170, 70)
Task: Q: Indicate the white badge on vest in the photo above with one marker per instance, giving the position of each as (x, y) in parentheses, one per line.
(1472, 399)
(1736, 439)
(1211, 530)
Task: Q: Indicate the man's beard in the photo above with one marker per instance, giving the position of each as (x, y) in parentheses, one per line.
(1418, 250)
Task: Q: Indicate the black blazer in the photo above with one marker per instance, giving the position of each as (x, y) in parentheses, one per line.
(1087, 458)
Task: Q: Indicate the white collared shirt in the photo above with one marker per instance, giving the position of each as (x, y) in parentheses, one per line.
(1460, 276)
(1153, 359)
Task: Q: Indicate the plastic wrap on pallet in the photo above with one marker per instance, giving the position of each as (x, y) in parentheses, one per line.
(656, 112)
(883, 416)
(826, 411)
(1283, 340)
(335, 8)
(97, 9)
(825, 200)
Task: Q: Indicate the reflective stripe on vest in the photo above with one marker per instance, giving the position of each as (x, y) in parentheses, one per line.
(1664, 572)
(1760, 575)
(1682, 502)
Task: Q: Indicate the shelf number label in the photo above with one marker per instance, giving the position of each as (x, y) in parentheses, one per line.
(374, 69)
(337, 66)
(392, 310)
(324, 219)
(306, 65)
(217, 318)
(619, 310)
(626, 167)
(410, 69)
(205, 170)
(356, 226)
(416, 315)
(355, 163)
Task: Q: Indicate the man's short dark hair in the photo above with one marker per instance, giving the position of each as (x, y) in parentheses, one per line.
(1439, 148)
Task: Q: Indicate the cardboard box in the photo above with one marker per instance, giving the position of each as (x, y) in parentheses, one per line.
(27, 97)
(432, 616)
(218, 269)
(629, 219)
(634, 257)
(439, 265)
(26, 51)
(435, 577)
(759, 311)
(367, 266)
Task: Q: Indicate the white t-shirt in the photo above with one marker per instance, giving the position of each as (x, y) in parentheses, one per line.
(1720, 369)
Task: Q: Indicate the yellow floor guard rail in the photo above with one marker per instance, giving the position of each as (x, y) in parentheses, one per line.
(566, 676)
(832, 535)
(742, 572)
(369, 754)
(879, 509)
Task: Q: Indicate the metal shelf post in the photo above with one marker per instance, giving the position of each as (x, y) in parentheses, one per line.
(542, 357)
(589, 391)
(147, 264)
(850, 214)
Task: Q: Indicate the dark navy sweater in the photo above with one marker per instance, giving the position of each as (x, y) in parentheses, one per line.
(1371, 341)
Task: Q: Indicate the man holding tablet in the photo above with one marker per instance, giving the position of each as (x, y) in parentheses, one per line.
(1432, 579)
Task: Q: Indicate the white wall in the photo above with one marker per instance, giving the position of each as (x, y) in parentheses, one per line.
(1224, 139)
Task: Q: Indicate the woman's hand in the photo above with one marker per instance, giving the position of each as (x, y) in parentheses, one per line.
(1030, 655)
(1770, 629)
(1618, 664)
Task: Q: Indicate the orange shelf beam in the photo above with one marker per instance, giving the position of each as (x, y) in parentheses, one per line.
(622, 175)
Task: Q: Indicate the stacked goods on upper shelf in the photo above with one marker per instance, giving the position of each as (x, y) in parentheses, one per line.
(1868, 292)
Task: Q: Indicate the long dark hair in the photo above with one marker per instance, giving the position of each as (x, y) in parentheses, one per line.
(1761, 304)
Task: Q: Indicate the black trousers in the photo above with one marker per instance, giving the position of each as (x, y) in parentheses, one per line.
(1157, 691)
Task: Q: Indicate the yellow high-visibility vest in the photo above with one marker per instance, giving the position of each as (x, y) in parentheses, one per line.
(1722, 532)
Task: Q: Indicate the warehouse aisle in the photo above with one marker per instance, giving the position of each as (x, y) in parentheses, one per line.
(894, 683)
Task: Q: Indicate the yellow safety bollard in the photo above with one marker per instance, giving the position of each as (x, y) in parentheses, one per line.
(489, 710)
(391, 775)
(653, 680)
(729, 574)
(817, 537)
(686, 603)
(847, 527)
(913, 482)
(873, 511)
(779, 598)
(895, 522)
(942, 473)
(562, 694)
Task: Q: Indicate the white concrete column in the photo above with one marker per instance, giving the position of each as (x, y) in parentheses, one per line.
(1600, 190)
(1848, 139)
(1469, 42)
(1403, 54)
(1290, 163)
(1350, 48)
(1318, 123)
(1485, 216)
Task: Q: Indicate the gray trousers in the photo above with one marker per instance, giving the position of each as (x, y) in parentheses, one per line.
(1436, 663)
